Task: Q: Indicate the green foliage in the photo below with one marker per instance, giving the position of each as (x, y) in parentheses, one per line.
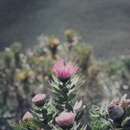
(115, 67)
(83, 54)
(127, 63)
(29, 125)
(63, 92)
(44, 114)
(99, 120)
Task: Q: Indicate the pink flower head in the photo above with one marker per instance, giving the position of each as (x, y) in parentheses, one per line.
(39, 99)
(64, 70)
(27, 116)
(65, 119)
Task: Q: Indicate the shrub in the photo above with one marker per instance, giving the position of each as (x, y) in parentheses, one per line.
(61, 111)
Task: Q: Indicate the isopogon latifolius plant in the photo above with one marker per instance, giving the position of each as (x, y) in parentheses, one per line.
(119, 113)
(115, 117)
(61, 111)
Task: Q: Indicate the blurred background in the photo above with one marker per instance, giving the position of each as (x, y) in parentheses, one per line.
(103, 23)
(34, 34)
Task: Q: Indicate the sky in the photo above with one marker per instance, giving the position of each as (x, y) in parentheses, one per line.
(105, 24)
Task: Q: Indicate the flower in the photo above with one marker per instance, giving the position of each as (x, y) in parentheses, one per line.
(53, 42)
(27, 116)
(39, 99)
(115, 110)
(72, 38)
(65, 119)
(64, 71)
(70, 35)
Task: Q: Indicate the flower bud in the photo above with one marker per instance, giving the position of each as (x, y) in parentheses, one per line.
(65, 119)
(27, 116)
(53, 42)
(70, 35)
(39, 99)
(78, 105)
(115, 112)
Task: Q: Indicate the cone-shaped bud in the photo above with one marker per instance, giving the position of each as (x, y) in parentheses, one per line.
(115, 112)
(65, 119)
(39, 99)
(27, 116)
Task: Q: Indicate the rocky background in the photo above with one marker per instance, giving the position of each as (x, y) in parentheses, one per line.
(103, 23)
